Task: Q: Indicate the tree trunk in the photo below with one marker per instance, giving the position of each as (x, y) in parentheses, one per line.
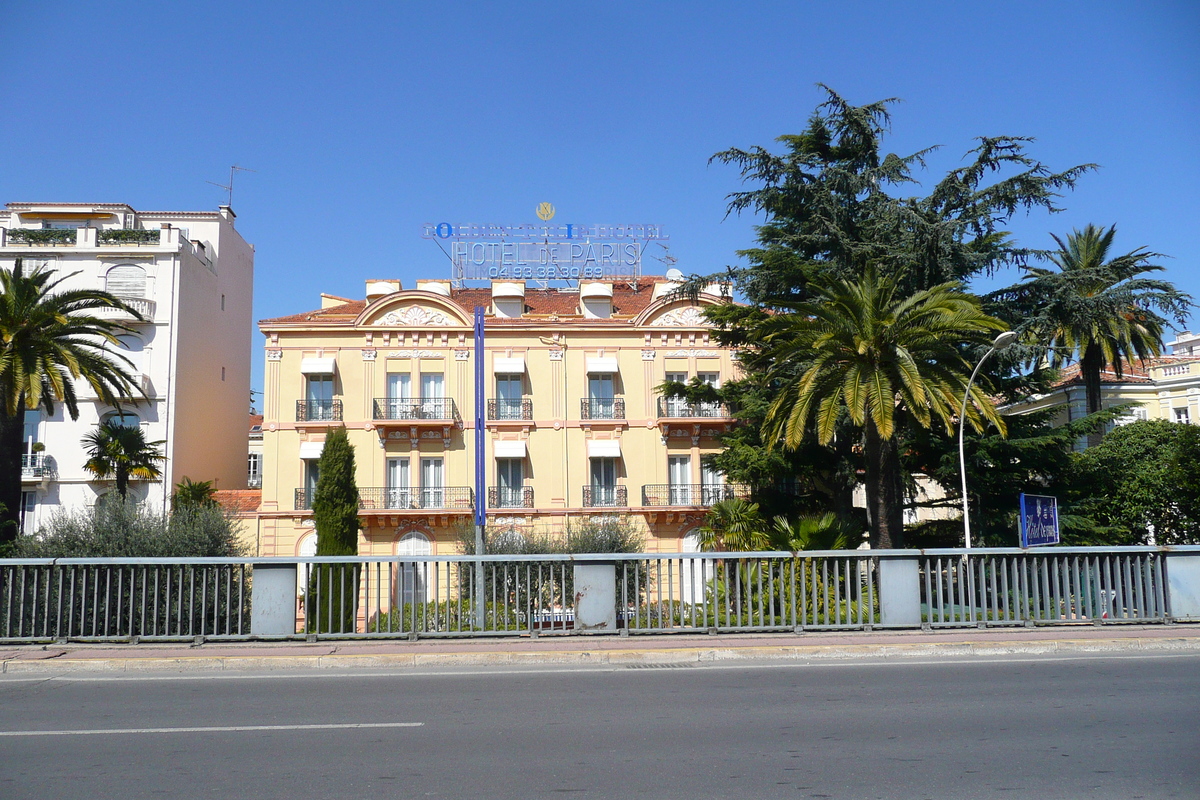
(12, 431)
(885, 501)
(1089, 370)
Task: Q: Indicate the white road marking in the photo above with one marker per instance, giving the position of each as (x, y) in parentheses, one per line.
(220, 729)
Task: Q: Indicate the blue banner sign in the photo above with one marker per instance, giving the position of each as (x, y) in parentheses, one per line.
(543, 251)
(1039, 520)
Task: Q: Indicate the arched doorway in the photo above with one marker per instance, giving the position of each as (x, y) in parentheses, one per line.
(695, 573)
(412, 577)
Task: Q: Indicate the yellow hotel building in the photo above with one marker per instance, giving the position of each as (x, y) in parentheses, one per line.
(574, 427)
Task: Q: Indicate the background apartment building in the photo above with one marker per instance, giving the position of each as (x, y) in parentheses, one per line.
(190, 275)
(574, 426)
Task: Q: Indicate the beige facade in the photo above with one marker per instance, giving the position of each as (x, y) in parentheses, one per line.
(574, 426)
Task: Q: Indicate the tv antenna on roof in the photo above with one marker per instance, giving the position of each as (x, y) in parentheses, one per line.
(229, 188)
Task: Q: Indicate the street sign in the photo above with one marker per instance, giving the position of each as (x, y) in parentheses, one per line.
(1038, 520)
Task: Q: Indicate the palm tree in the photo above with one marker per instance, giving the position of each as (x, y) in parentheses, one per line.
(1096, 309)
(881, 359)
(49, 341)
(121, 451)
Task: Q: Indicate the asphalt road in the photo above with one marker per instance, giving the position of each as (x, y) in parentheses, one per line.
(1111, 727)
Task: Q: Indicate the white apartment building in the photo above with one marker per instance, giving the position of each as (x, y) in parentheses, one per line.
(190, 275)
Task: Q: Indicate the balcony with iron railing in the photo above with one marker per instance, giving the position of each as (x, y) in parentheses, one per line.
(681, 408)
(318, 411)
(510, 497)
(602, 408)
(458, 499)
(407, 410)
(35, 467)
(689, 494)
(600, 496)
(501, 409)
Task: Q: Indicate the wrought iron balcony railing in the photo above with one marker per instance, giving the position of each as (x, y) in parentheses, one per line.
(679, 407)
(605, 496)
(35, 465)
(603, 408)
(434, 408)
(510, 497)
(416, 498)
(689, 494)
(510, 409)
(318, 411)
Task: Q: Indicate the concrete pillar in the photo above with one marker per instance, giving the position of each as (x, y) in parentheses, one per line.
(900, 592)
(595, 596)
(273, 600)
(1183, 586)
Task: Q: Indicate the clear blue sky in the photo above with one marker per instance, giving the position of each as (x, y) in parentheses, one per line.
(366, 120)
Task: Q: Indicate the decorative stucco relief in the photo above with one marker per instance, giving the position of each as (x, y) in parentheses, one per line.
(415, 316)
(687, 317)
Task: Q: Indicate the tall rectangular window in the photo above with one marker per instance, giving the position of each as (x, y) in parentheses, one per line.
(397, 492)
(676, 406)
(398, 402)
(601, 395)
(433, 492)
(679, 475)
(510, 390)
(254, 471)
(510, 482)
(433, 392)
(604, 481)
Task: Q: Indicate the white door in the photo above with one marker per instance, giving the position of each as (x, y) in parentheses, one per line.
(695, 573)
(399, 394)
(600, 395)
(433, 494)
(679, 475)
(712, 379)
(677, 406)
(433, 392)
(412, 577)
(509, 390)
(712, 484)
(397, 493)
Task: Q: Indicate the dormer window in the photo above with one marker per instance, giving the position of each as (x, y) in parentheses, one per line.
(595, 300)
(508, 299)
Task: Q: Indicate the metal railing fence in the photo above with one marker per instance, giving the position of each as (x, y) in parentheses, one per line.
(107, 599)
(318, 410)
(1005, 587)
(437, 595)
(426, 408)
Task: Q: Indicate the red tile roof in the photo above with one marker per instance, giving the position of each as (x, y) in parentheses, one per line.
(627, 302)
(239, 501)
(1136, 373)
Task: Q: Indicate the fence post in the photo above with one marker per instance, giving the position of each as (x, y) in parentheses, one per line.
(900, 591)
(596, 596)
(273, 599)
(1183, 586)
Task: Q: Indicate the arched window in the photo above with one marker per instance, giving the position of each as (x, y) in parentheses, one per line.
(125, 418)
(127, 280)
(412, 577)
(305, 548)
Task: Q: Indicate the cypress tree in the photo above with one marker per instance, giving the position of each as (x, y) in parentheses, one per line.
(333, 588)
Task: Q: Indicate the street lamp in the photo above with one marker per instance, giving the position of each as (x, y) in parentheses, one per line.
(1002, 341)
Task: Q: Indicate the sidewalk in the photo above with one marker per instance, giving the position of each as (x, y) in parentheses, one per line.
(593, 650)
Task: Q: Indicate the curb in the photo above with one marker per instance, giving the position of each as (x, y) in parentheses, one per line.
(613, 658)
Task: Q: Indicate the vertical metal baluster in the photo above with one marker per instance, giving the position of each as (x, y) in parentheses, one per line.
(1159, 589)
(1127, 587)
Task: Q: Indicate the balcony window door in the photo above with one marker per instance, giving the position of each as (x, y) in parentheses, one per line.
(30, 434)
(433, 393)
(677, 406)
(712, 484)
(433, 494)
(311, 474)
(601, 395)
(679, 476)
(397, 494)
(319, 395)
(510, 479)
(712, 379)
(399, 395)
(604, 481)
(509, 391)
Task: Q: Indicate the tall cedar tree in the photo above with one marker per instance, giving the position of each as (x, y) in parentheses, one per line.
(833, 204)
(333, 588)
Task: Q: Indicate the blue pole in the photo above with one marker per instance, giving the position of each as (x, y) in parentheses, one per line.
(480, 472)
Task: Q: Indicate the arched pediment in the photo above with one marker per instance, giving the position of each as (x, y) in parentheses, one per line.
(677, 314)
(413, 309)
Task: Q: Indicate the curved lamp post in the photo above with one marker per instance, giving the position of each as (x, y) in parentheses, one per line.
(1002, 341)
